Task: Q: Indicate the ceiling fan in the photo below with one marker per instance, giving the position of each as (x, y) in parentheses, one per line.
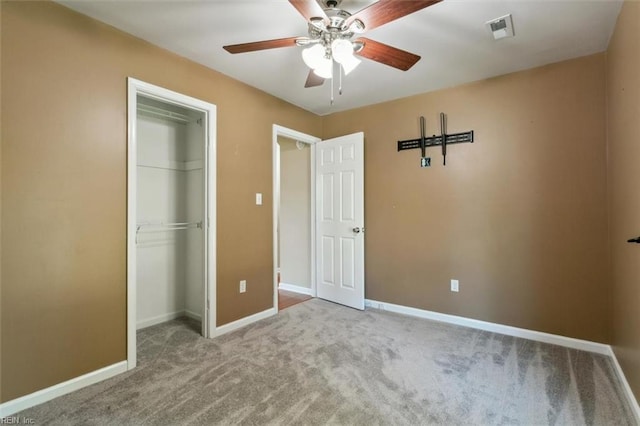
(331, 30)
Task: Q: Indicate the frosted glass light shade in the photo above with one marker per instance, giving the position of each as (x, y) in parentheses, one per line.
(324, 68)
(350, 64)
(313, 56)
(341, 50)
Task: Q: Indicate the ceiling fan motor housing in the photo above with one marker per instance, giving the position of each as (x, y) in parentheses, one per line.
(334, 26)
(331, 4)
(337, 19)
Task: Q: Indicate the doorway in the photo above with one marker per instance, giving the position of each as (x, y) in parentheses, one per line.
(336, 218)
(294, 216)
(171, 192)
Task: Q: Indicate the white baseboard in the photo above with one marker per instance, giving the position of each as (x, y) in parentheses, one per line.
(227, 328)
(296, 289)
(569, 342)
(192, 315)
(625, 384)
(554, 339)
(14, 406)
(159, 319)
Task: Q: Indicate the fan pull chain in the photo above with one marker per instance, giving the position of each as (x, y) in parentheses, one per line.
(332, 84)
(340, 88)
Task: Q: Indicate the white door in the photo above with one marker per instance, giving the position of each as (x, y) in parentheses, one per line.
(340, 220)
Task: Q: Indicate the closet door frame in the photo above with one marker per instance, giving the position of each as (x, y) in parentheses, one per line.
(134, 88)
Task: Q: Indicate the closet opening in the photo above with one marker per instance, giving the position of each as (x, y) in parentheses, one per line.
(171, 211)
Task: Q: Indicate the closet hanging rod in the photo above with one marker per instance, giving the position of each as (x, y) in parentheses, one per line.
(159, 227)
(164, 227)
(148, 109)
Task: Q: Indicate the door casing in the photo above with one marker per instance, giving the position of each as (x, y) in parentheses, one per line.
(134, 88)
(311, 140)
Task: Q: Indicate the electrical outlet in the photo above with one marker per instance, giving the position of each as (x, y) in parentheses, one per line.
(455, 285)
(243, 286)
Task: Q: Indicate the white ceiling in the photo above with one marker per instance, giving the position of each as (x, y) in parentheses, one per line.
(450, 36)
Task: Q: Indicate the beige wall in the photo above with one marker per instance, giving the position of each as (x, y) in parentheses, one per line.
(1, 200)
(519, 216)
(295, 214)
(623, 102)
(64, 189)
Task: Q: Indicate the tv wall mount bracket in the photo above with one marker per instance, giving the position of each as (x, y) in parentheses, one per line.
(443, 140)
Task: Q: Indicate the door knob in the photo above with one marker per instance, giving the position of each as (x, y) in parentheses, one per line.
(634, 240)
(356, 230)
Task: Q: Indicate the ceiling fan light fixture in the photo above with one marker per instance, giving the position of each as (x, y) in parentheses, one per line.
(313, 56)
(350, 64)
(324, 68)
(341, 50)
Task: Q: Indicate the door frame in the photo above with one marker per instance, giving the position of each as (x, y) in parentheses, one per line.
(134, 88)
(312, 141)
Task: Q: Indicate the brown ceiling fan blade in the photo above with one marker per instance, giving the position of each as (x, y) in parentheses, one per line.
(385, 11)
(261, 45)
(309, 9)
(313, 80)
(387, 55)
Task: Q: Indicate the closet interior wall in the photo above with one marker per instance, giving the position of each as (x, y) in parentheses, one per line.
(170, 206)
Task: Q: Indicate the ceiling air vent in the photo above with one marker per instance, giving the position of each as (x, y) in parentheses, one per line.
(501, 27)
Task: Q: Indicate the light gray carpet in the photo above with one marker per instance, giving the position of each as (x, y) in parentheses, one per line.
(321, 363)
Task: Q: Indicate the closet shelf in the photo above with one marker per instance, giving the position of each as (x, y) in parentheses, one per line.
(160, 112)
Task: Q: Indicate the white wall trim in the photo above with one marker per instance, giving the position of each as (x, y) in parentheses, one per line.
(232, 326)
(192, 315)
(554, 339)
(149, 322)
(159, 319)
(132, 183)
(14, 406)
(625, 384)
(312, 193)
(296, 289)
(39, 397)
